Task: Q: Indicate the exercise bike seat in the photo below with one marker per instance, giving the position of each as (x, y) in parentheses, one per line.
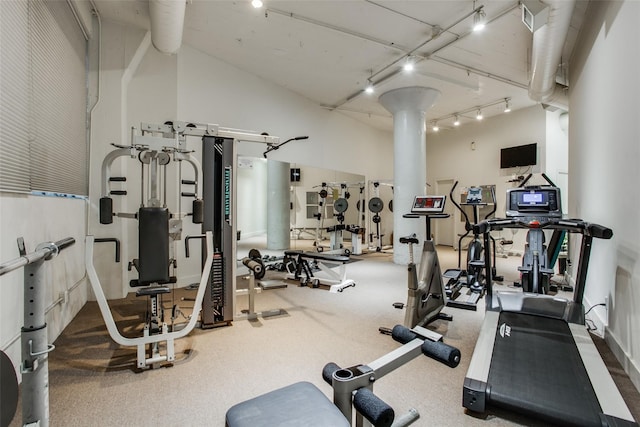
(412, 239)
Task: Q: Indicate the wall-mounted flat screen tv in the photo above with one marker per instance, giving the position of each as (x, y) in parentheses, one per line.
(522, 155)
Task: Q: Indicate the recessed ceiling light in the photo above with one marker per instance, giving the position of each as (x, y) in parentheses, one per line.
(256, 3)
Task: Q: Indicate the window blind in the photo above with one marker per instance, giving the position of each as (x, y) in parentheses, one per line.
(43, 104)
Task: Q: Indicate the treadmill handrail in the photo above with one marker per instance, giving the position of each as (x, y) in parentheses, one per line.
(572, 225)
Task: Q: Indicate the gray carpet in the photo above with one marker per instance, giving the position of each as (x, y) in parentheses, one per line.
(93, 380)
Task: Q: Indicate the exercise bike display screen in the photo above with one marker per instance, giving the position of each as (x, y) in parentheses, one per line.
(428, 204)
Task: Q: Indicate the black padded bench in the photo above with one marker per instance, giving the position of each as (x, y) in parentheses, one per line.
(299, 404)
(335, 281)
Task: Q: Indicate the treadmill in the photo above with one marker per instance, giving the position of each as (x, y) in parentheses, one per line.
(534, 355)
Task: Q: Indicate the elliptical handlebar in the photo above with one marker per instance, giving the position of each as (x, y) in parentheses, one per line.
(467, 223)
(493, 200)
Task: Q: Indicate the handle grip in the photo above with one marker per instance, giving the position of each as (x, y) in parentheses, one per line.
(441, 352)
(253, 265)
(374, 409)
(327, 372)
(186, 243)
(65, 243)
(600, 231)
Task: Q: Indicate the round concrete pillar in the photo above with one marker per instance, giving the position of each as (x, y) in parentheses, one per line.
(277, 205)
(408, 106)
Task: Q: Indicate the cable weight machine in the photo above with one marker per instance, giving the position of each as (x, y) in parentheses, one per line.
(155, 146)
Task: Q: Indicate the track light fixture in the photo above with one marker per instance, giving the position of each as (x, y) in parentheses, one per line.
(507, 105)
(369, 87)
(479, 20)
(256, 4)
(467, 113)
(408, 64)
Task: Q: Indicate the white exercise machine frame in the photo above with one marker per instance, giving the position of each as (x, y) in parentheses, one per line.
(147, 339)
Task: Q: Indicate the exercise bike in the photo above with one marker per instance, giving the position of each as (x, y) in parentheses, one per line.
(474, 273)
(426, 295)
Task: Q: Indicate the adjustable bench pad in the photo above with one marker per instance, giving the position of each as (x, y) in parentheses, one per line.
(318, 255)
(299, 404)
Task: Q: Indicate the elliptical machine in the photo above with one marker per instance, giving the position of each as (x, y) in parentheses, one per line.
(474, 272)
(525, 203)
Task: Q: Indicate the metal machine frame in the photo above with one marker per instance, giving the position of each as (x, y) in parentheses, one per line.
(154, 144)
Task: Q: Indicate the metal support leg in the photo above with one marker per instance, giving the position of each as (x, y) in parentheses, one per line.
(35, 349)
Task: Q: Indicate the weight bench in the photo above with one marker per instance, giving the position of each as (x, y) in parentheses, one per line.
(335, 281)
(299, 404)
(303, 404)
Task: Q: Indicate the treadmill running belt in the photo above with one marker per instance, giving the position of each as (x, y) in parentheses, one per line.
(536, 370)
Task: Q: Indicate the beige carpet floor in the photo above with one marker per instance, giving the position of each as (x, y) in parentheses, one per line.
(93, 381)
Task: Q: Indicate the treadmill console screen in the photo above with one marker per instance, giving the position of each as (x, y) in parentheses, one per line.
(532, 198)
(534, 202)
(428, 204)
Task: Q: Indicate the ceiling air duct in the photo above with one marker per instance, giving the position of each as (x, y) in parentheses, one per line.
(167, 23)
(548, 42)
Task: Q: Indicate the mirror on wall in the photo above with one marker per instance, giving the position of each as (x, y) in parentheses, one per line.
(318, 199)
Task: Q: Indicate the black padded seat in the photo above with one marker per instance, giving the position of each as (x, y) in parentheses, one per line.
(299, 404)
(152, 291)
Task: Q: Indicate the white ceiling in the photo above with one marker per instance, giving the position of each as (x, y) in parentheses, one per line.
(327, 50)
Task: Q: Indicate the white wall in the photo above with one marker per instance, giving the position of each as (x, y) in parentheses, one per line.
(451, 155)
(41, 219)
(604, 153)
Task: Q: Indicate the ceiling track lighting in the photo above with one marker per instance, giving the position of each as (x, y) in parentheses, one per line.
(507, 105)
(369, 88)
(409, 64)
(479, 21)
(467, 113)
(479, 18)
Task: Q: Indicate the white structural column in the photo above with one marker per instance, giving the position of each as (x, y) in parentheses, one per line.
(408, 106)
(277, 205)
